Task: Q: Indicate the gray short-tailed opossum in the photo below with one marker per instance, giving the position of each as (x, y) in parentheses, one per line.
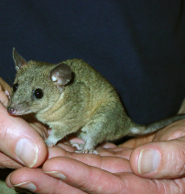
(73, 97)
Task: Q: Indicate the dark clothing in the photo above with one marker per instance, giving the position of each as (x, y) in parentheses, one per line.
(138, 45)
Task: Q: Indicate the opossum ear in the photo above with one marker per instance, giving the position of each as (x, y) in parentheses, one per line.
(61, 75)
(19, 61)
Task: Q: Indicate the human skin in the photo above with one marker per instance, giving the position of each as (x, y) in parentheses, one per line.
(117, 169)
(114, 170)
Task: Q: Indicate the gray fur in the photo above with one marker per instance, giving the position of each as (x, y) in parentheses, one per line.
(85, 103)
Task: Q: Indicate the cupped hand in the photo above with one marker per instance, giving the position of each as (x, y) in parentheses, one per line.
(80, 173)
(114, 170)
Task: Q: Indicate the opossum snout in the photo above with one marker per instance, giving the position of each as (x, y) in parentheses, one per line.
(11, 110)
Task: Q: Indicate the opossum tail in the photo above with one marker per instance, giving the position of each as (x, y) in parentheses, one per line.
(147, 129)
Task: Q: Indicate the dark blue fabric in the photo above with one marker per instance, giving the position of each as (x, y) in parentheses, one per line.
(138, 45)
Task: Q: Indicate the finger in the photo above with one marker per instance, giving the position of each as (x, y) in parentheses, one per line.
(108, 145)
(7, 162)
(59, 150)
(173, 131)
(20, 141)
(160, 159)
(74, 139)
(36, 181)
(85, 177)
(121, 152)
(3, 97)
(5, 86)
(40, 128)
(110, 163)
(66, 146)
(135, 184)
(135, 142)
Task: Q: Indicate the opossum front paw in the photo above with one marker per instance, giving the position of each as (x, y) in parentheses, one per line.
(50, 145)
(7, 94)
(91, 152)
(80, 149)
(51, 141)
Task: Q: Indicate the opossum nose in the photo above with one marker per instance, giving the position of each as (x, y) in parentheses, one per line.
(11, 110)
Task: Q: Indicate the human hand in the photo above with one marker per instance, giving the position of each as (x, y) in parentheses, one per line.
(160, 155)
(78, 166)
(111, 171)
(163, 157)
(20, 143)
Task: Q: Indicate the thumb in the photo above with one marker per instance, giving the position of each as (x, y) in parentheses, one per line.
(20, 141)
(159, 159)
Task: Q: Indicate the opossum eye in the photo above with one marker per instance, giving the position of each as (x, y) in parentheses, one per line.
(15, 86)
(38, 93)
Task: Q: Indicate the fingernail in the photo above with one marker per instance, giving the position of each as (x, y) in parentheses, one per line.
(26, 185)
(27, 151)
(149, 160)
(56, 174)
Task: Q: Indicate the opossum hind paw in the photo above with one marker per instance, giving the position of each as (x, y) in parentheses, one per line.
(87, 151)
